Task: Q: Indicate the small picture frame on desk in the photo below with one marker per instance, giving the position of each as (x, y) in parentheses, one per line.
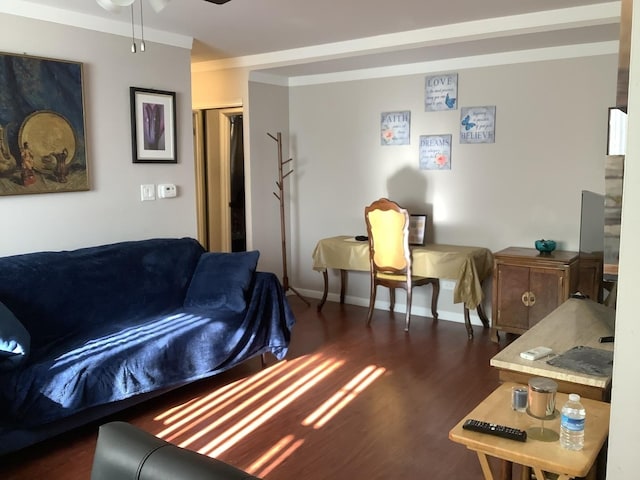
(417, 228)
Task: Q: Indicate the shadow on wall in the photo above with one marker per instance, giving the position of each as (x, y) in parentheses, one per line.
(408, 187)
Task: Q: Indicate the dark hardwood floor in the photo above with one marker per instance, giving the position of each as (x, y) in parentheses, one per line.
(349, 402)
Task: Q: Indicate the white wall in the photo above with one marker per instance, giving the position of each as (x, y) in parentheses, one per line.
(550, 145)
(111, 211)
(624, 441)
(219, 89)
(268, 113)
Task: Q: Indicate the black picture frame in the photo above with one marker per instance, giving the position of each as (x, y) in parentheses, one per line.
(153, 126)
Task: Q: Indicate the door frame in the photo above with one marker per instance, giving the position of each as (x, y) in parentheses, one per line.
(212, 170)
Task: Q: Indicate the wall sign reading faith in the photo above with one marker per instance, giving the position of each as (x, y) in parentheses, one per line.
(435, 152)
(441, 92)
(395, 128)
(478, 124)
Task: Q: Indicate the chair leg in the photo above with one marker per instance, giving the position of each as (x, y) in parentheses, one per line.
(372, 301)
(435, 293)
(392, 299)
(408, 316)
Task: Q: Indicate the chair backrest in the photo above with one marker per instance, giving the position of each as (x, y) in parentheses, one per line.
(388, 232)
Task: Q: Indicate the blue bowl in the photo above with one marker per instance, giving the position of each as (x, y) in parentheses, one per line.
(545, 246)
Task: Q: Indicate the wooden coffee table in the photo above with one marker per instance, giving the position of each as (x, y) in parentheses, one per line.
(539, 456)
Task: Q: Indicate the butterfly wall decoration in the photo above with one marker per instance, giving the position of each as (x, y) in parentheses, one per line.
(450, 101)
(477, 124)
(467, 123)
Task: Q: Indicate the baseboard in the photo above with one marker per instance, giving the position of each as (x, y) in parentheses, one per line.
(452, 316)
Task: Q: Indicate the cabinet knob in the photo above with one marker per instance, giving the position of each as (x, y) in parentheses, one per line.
(528, 299)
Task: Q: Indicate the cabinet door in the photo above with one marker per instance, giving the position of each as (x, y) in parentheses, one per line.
(513, 283)
(547, 288)
(590, 278)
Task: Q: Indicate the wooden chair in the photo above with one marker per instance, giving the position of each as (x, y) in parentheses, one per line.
(390, 256)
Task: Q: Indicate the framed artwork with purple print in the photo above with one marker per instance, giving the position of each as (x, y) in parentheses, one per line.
(153, 126)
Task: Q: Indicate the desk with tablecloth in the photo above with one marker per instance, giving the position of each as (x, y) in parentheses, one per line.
(468, 266)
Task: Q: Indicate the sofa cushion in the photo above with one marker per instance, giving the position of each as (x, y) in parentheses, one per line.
(222, 280)
(14, 340)
(55, 293)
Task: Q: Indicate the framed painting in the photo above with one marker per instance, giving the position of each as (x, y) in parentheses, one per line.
(153, 126)
(435, 152)
(395, 128)
(441, 92)
(417, 229)
(478, 124)
(42, 126)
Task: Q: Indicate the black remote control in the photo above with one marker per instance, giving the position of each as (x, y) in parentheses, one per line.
(494, 429)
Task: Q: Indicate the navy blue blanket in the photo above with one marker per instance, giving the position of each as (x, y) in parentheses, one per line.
(118, 360)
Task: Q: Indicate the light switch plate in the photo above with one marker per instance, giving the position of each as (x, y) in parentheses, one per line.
(147, 192)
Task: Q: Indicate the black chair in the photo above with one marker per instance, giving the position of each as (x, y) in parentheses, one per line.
(124, 452)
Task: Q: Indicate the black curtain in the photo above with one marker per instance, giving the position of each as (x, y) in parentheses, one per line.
(237, 204)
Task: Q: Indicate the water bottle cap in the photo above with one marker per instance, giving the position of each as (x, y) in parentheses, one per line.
(574, 397)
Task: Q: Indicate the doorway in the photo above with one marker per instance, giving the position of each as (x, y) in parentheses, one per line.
(220, 179)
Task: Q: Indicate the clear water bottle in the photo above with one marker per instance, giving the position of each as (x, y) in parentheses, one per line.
(572, 423)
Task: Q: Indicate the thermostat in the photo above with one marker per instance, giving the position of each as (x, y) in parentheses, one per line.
(166, 190)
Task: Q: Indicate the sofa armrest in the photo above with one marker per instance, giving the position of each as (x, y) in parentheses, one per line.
(125, 452)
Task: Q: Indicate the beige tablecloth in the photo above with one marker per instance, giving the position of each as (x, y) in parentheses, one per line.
(468, 266)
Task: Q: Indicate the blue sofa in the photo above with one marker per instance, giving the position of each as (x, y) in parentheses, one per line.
(88, 332)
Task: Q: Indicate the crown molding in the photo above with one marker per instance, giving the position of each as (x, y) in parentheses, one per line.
(547, 21)
(476, 61)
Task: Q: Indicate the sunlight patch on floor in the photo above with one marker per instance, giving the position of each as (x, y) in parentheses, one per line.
(188, 416)
(343, 397)
(275, 456)
(214, 423)
(264, 412)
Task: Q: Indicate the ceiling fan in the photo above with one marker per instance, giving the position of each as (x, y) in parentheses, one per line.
(157, 5)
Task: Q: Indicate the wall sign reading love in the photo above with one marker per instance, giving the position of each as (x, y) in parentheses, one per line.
(441, 92)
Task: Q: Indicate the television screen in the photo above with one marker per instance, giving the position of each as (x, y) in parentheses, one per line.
(592, 224)
(592, 245)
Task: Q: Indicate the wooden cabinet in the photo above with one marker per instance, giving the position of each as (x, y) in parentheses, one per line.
(527, 286)
(590, 276)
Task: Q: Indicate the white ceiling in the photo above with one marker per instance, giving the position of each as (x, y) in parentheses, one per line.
(301, 37)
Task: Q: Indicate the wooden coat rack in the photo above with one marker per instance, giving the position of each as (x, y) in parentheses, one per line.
(280, 196)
